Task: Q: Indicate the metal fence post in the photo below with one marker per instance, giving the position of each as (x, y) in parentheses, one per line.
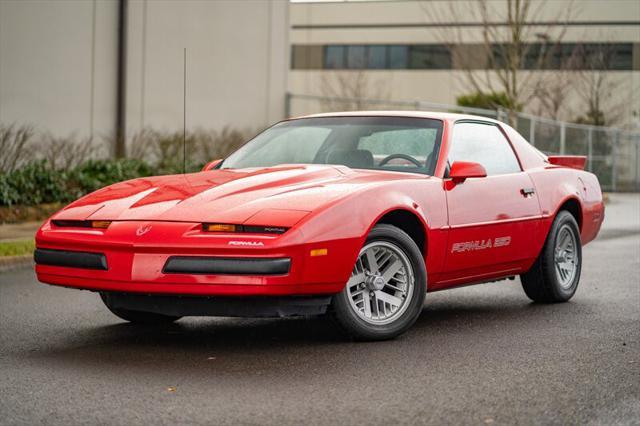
(590, 149)
(637, 163)
(563, 138)
(614, 170)
(287, 104)
(532, 131)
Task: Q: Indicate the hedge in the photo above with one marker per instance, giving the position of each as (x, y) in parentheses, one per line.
(37, 182)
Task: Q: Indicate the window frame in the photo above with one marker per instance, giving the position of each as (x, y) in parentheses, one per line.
(488, 123)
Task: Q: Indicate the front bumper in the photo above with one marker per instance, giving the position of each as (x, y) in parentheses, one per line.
(221, 306)
(177, 258)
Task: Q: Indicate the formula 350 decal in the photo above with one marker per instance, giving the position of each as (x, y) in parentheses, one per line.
(476, 245)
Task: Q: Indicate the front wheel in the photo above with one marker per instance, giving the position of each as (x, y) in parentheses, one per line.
(386, 291)
(555, 274)
(136, 317)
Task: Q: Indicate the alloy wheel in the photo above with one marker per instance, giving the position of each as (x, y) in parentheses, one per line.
(381, 283)
(565, 256)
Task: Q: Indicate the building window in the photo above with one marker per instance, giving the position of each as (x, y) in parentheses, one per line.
(431, 57)
(334, 57)
(356, 57)
(398, 57)
(577, 56)
(603, 56)
(377, 57)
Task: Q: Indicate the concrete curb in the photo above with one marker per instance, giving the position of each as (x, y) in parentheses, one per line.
(8, 263)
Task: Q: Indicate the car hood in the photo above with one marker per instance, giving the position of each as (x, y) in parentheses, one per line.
(277, 196)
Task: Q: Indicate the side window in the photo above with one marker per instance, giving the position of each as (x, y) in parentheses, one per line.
(484, 144)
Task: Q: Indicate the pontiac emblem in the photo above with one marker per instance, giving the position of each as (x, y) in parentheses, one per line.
(143, 230)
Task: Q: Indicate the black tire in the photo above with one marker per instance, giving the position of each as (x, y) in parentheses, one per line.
(135, 317)
(356, 327)
(541, 283)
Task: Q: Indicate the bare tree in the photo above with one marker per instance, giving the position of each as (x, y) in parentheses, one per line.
(509, 46)
(596, 86)
(350, 90)
(64, 153)
(16, 146)
(553, 89)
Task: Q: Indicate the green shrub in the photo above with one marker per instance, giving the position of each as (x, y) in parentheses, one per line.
(34, 183)
(37, 182)
(95, 174)
(490, 100)
(59, 170)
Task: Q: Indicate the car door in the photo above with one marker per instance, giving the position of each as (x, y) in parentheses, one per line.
(493, 219)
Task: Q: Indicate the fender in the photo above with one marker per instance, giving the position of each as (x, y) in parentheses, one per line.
(338, 219)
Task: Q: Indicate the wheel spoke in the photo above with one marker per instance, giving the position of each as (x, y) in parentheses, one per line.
(358, 292)
(393, 287)
(559, 271)
(386, 297)
(391, 270)
(372, 261)
(374, 302)
(565, 238)
(367, 304)
(356, 279)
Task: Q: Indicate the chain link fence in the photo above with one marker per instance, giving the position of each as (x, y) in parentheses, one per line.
(613, 154)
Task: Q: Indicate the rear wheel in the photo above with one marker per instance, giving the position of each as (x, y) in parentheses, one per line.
(136, 317)
(555, 275)
(386, 291)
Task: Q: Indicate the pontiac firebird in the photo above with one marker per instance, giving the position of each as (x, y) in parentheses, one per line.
(354, 215)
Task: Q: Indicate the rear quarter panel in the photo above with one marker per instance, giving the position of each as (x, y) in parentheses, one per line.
(556, 185)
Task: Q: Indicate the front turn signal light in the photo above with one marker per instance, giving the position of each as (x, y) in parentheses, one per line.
(220, 227)
(319, 252)
(247, 229)
(100, 224)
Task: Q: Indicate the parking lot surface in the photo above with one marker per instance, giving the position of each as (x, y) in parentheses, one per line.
(477, 355)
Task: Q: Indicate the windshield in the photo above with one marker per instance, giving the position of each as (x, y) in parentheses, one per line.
(380, 143)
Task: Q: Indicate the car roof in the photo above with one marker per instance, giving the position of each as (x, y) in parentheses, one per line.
(448, 116)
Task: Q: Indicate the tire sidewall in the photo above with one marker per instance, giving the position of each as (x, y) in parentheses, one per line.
(363, 330)
(561, 293)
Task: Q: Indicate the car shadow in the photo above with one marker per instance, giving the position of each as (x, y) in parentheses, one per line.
(235, 345)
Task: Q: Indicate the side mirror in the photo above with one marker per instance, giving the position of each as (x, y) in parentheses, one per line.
(211, 165)
(462, 170)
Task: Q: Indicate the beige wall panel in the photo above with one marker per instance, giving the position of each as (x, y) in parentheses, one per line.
(46, 77)
(416, 12)
(237, 63)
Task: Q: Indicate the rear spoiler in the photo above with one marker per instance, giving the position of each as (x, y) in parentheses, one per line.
(572, 161)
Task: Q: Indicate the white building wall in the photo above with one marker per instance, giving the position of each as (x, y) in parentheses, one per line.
(56, 61)
(358, 22)
(237, 63)
(58, 64)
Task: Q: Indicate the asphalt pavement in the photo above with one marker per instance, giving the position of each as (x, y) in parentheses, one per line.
(477, 355)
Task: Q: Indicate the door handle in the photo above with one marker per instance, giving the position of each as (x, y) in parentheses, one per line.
(527, 192)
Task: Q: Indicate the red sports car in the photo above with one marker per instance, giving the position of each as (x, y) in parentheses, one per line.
(356, 215)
